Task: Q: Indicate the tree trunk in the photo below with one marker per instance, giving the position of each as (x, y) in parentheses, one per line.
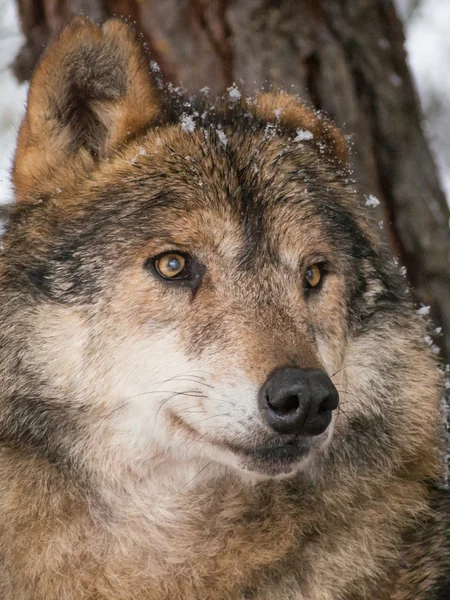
(345, 57)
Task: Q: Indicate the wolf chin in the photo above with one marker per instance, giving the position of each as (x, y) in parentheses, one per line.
(213, 381)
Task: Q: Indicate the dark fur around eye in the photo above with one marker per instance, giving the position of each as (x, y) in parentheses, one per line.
(189, 277)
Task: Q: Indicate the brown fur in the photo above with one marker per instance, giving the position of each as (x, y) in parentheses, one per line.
(122, 100)
(111, 487)
(297, 115)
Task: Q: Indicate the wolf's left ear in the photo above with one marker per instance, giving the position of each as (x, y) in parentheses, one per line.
(91, 90)
(293, 113)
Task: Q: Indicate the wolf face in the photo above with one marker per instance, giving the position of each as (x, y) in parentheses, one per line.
(196, 285)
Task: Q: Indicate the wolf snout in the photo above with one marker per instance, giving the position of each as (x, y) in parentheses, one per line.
(298, 401)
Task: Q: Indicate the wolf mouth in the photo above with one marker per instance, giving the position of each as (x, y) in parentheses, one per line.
(272, 458)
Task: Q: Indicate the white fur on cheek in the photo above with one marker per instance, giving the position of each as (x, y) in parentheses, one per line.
(146, 379)
(159, 404)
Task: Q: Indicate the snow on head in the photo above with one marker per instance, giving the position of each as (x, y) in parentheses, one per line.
(233, 92)
(140, 152)
(222, 137)
(424, 310)
(372, 201)
(429, 341)
(187, 123)
(303, 135)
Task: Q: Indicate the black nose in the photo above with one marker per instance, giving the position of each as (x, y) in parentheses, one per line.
(298, 401)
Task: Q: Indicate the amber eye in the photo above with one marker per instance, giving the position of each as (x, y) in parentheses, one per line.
(172, 266)
(313, 275)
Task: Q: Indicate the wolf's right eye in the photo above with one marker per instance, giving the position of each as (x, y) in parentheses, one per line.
(172, 266)
(178, 269)
(313, 275)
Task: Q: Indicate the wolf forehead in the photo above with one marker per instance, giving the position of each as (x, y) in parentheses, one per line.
(232, 164)
(259, 191)
(248, 181)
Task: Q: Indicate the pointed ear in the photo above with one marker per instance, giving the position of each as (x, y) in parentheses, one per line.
(90, 92)
(292, 113)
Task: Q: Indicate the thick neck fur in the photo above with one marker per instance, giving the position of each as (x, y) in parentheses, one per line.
(213, 536)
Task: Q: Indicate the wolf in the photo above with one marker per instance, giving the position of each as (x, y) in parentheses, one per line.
(213, 380)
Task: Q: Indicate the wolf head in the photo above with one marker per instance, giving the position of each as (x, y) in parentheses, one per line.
(192, 283)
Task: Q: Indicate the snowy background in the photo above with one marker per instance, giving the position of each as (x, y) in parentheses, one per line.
(12, 95)
(427, 27)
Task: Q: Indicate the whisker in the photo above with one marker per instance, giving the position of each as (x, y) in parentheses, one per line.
(210, 417)
(190, 379)
(345, 367)
(340, 409)
(174, 395)
(348, 394)
(199, 439)
(194, 478)
(189, 393)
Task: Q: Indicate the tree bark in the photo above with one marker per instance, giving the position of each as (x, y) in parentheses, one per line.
(346, 58)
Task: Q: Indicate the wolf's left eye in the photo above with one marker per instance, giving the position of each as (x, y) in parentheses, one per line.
(172, 266)
(313, 276)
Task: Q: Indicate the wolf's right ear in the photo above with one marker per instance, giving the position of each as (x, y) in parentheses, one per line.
(293, 113)
(91, 90)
